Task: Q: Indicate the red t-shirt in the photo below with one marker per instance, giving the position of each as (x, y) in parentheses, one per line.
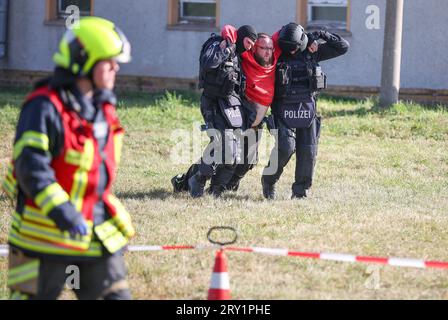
(260, 81)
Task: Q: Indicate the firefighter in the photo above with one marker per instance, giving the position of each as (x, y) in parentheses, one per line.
(66, 152)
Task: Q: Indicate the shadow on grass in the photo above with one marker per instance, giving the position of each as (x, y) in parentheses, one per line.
(159, 193)
(236, 196)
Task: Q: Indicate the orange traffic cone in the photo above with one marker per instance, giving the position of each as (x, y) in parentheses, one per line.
(219, 286)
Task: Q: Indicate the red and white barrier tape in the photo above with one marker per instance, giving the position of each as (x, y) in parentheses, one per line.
(140, 248)
(3, 250)
(397, 262)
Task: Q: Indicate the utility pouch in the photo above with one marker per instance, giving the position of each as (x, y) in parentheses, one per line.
(318, 79)
(231, 110)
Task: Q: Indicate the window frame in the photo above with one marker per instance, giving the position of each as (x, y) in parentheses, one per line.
(325, 3)
(52, 12)
(62, 15)
(175, 22)
(194, 19)
(302, 14)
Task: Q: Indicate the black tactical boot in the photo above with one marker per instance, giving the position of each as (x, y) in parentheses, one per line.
(268, 189)
(233, 184)
(178, 183)
(298, 192)
(298, 195)
(216, 190)
(196, 185)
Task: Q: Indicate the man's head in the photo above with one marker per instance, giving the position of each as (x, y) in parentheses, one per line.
(263, 50)
(292, 38)
(246, 37)
(93, 50)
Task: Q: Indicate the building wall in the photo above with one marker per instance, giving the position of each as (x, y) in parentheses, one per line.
(160, 52)
(423, 48)
(30, 44)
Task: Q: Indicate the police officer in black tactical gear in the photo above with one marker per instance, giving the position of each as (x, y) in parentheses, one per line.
(222, 81)
(299, 78)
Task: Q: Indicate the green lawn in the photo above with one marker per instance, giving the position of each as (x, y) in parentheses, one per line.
(380, 189)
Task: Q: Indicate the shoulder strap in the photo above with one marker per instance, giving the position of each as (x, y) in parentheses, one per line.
(49, 93)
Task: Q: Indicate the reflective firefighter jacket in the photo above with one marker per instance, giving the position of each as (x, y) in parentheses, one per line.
(63, 178)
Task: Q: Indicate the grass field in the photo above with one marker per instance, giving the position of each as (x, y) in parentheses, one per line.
(381, 188)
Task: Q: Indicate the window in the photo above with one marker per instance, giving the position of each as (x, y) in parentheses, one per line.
(55, 10)
(83, 5)
(329, 13)
(195, 13)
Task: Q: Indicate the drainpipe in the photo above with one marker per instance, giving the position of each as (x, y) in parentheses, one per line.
(3, 27)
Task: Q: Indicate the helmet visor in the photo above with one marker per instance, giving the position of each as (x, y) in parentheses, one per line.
(125, 54)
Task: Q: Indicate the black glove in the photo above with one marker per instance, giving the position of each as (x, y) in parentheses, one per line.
(311, 38)
(66, 217)
(325, 35)
(230, 47)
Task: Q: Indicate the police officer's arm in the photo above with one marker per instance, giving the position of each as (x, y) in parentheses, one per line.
(214, 55)
(39, 138)
(333, 47)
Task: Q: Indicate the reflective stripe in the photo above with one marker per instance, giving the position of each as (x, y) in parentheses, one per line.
(106, 229)
(111, 236)
(33, 139)
(32, 214)
(16, 220)
(118, 143)
(16, 295)
(52, 196)
(10, 170)
(29, 243)
(122, 217)
(34, 223)
(54, 236)
(24, 268)
(80, 178)
(9, 184)
(115, 242)
(23, 273)
(82, 159)
(9, 189)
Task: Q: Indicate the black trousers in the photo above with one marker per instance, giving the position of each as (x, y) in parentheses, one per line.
(221, 172)
(249, 141)
(249, 155)
(90, 279)
(302, 141)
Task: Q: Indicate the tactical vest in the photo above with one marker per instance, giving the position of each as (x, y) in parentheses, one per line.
(297, 77)
(77, 176)
(224, 80)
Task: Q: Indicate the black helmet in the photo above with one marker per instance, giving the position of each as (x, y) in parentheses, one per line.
(292, 36)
